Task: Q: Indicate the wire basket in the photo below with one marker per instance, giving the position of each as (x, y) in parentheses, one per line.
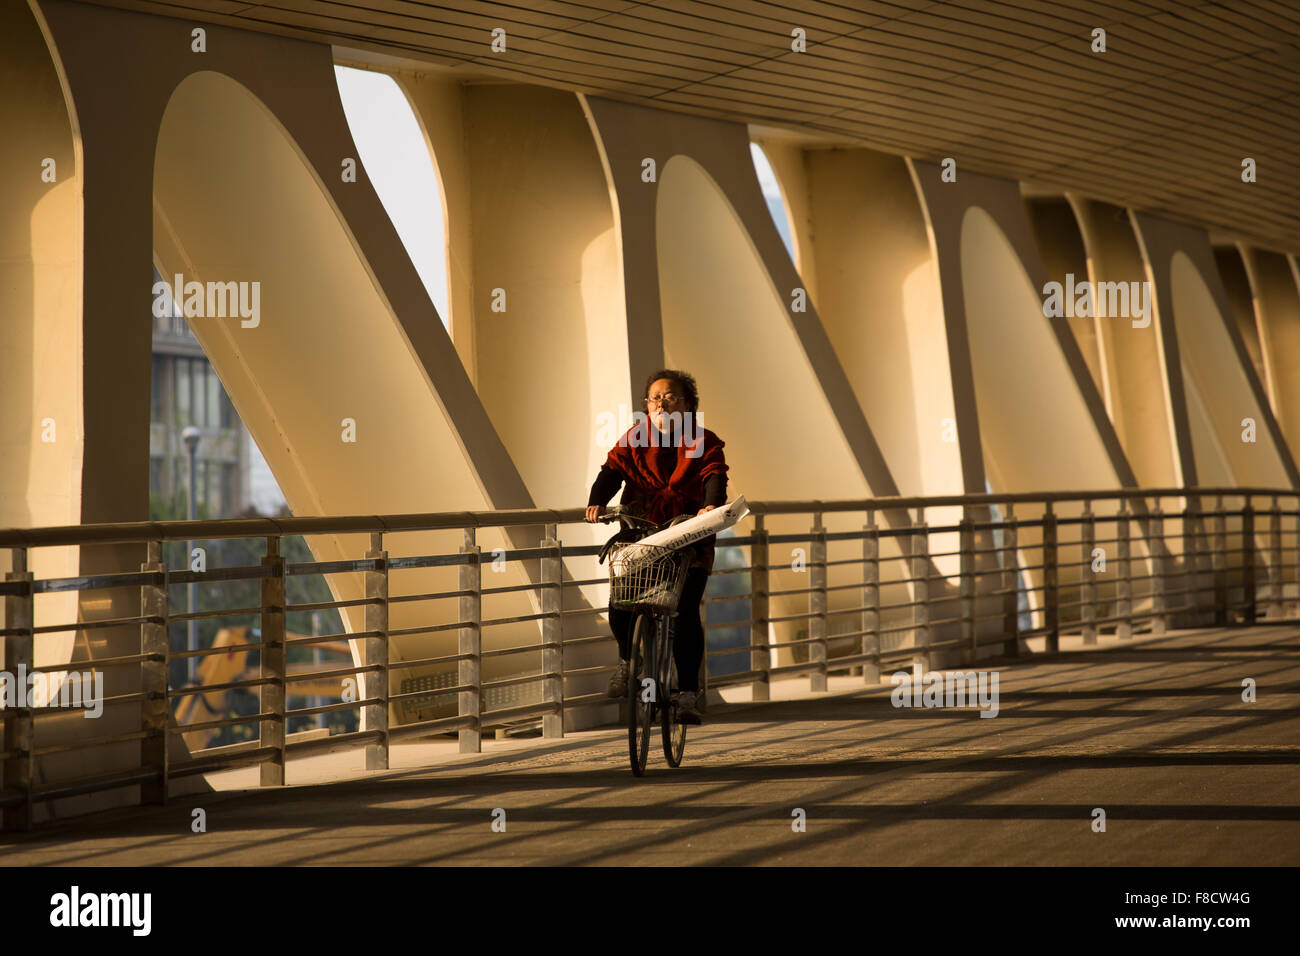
(647, 576)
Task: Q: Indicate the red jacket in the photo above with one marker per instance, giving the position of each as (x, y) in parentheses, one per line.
(660, 494)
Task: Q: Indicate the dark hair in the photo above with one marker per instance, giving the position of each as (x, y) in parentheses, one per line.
(684, 379)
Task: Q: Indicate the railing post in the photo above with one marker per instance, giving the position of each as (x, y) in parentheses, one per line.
(1219, 564)
(272, 696)
(552, 586)
(1248, 561)
(1293, 590)
(966, 585)
(703, 700)
(1124, 576)
(1010, 583)
(817, 605)
(871, 599)
(921, 590)
(1051, 582)
(19, 643)
(1277, 610)
(471, 644)
(376, 652)
(1088, 595)
(156, 709)
(1192, 559)
(1159, 570)
(759, 652)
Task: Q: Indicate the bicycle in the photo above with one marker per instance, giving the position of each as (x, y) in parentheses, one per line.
(648, 579)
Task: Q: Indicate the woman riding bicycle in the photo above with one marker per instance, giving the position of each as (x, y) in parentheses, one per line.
(673, 467)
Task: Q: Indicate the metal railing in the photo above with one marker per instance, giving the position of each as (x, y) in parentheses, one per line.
(864, 588)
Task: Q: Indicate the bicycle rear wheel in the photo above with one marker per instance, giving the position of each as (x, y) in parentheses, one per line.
(641, 667)
(674, 732)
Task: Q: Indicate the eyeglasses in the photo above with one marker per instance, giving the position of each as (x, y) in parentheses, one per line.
(662, 400)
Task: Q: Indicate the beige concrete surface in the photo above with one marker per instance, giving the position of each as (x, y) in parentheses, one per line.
(1154, 732)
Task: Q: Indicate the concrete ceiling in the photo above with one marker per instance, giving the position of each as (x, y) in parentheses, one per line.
(1161, 121)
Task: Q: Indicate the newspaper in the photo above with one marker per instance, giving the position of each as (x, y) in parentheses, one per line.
(685, 532)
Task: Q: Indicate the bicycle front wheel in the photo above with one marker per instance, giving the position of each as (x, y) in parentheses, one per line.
(641, 692)
(674, 732)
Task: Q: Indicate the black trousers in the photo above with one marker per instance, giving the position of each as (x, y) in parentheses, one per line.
(688, 633)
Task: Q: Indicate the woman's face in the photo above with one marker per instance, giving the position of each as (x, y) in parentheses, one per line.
(665, 396)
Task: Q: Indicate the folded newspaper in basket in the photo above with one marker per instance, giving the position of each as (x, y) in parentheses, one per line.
(685, 532)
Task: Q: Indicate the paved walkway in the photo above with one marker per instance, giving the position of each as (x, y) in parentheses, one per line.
(1153, 732)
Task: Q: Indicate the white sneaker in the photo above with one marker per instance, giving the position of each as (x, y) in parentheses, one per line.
(686, 711)
(618, 682)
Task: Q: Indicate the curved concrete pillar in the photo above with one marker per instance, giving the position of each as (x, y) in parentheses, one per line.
(1230, 264)
(628, 135)
(976, 367)
(710, 285)
(51, 371)
(232, 197)
(880, 302)
(40, 314)
(408, 360)
(1029, 415)
(1038, 434)
(1211, 380)
(1061, 244)
(535, 222)
(865, 257)
(724, 321)
(1275, 289)
(788, 162)
(1217, 381)
(1137, 400)
(438, 105)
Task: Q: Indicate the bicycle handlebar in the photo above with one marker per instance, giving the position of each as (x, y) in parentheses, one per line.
(616, 512)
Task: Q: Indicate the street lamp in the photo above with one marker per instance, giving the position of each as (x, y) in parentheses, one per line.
(190, 436)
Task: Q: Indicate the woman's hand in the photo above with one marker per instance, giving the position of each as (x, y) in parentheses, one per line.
(706, 508)
(593, 513)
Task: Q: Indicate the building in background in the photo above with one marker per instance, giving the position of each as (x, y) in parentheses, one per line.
(231, 477)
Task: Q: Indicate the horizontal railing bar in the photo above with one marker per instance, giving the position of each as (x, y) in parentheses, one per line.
(426, 728)
(97, 664)
(83, 625)
(331, 605)
(507, 651)
(114, 781)
(524, 710)
(330, 708)
(216, 649)
(223, 722)
(441, 659)
(357, 738)
(250, 572)
(219, 762)
(451, 690)
(331, 567)
(208, 688)
(142, 531)
(205, 615)
(428, 628)
(82, 744)
(334, 672)
(96, 582)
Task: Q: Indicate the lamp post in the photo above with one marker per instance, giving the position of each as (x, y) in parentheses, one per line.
(190, 436)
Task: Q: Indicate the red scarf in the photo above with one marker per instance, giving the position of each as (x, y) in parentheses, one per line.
(666, 496)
